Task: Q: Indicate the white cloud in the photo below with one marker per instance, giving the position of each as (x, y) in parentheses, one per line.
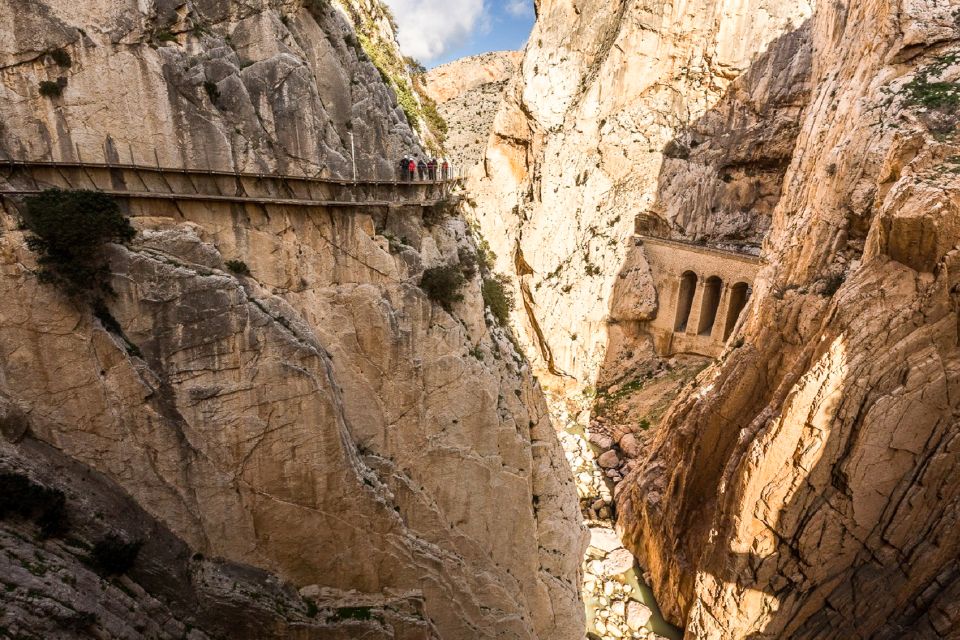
(430, 28)
(519, 8)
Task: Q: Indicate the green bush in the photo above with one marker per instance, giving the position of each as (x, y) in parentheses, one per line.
(70, 229)
(934, 95)
(20, 496)
(238, 267)
(50, 89)
(352, 613)
(62, 58)
(165, 35)
(442, 285)
(114, 556)
(497, 299)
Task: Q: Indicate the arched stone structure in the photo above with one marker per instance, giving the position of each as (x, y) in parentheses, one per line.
(701, 293)
(688, 288)
(709, 304)
(739, 297)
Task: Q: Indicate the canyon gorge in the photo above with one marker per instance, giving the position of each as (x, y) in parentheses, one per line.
(688, 327)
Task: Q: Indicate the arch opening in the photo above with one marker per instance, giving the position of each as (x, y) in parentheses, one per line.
(688, 287)
(739, 296)
(712, 288)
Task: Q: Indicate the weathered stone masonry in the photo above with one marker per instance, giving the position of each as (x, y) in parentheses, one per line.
(701, 292)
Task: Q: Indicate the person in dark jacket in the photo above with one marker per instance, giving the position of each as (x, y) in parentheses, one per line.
(432, 169)
(404, 168)
(422, 169)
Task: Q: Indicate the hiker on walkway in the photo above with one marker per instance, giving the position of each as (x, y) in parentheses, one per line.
(422, 169)
(411, 169)
(445, 171)
(433, 169)
(404, 168)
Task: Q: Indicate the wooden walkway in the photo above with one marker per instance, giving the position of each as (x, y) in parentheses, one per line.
(154, 183)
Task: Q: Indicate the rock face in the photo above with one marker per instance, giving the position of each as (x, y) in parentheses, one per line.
(805, 486)
(320, 422)
(468, 94)
(809, 488)
(618, 108)
(266, 86)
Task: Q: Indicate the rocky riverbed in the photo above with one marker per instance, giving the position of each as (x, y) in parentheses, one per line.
(618, 602)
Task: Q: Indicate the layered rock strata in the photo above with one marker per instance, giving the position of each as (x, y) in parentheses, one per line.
(468, 94)
(807, 488)
(320, 420)
(619, 109)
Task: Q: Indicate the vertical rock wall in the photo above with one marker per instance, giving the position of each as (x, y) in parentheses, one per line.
(321, 419)
(808, 488)
(617, 107)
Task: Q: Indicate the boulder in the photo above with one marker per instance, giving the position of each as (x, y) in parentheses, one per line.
(619, 561)
(609, 460)
(604, 539)
(638, 615)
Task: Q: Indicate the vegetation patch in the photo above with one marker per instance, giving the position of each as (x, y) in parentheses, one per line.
(62, 58)
(114, 556)
(497, 298)
(442, 285)
(23, 498)
(238, 267)
(934, 94)
(70, 230)
(406, 76)
(51, 89)
(351, 613)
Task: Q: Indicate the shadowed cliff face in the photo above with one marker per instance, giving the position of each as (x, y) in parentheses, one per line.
(320, 420)
(806, 486)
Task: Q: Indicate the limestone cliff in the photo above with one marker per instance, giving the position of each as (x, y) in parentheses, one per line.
(319, 425)
(259, 86)
(808, 489)
(617, 106)
(805, 485)
(468, 94)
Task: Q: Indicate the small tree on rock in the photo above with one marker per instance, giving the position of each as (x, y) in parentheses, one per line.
(70, 229)
(443, 284)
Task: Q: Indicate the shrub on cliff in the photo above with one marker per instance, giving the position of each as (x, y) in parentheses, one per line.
(21, 497)
(238, 267)
(50, 89)
(70, 229)
(497, 298)
(114, 556)
(442, 285)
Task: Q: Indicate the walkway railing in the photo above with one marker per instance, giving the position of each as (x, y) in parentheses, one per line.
(144, 182)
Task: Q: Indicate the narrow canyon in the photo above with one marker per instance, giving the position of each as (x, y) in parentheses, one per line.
(666, 344)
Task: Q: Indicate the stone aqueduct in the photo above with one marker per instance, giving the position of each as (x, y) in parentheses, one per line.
(701, 292)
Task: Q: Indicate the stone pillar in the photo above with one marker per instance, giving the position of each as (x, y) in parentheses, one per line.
(719, 325)
(695, 308)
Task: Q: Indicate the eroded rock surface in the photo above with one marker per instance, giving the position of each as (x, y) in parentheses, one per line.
(808, 487)
(320, 420)
(468, 94)
(685, 111)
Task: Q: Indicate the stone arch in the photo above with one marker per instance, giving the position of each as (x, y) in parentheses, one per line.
(739, 296)
(688, 288)
(712, 289)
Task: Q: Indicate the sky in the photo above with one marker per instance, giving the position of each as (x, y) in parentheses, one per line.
(438, 31)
